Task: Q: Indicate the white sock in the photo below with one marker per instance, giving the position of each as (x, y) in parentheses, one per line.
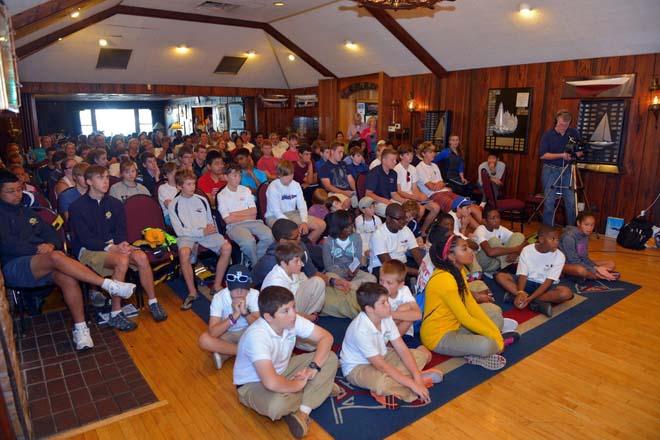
(153, 301)
(305, 409)
(114, 313)
(106, 284)
(80, 325)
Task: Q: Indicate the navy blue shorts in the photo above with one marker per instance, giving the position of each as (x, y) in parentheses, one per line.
(18, 273)
(530, 286)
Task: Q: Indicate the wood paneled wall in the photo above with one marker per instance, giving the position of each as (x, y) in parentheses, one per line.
(280, 120)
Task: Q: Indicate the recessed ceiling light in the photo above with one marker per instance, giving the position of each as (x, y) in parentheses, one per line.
(278, 3)
(182, 48)
(103, 42)
(350, 44)
(250, 53)
(292, 57)
(525, 10)
(59, 39)
(75, 14)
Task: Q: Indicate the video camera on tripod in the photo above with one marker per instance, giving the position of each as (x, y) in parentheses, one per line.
(574, 146)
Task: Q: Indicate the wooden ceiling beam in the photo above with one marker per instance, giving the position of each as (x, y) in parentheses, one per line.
(407, 40)
(40, 43)
(270, 30)
(43, 11)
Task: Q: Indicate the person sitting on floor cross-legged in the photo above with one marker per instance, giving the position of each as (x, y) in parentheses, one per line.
(367, 362)
(268, 378)
(100, 242)
(193, 224)
(539, 268)
(31, 256)
(233, 309)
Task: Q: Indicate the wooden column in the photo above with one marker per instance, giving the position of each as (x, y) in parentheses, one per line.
(29, 122)
(384, 104)
(328, 108)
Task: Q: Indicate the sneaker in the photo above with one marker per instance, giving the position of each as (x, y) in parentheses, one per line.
(509, 325)
(97, 298)
(298, 424)
(510, 338)
(217, 360)
(492, 362)
(508, 298)
(121, 322)
(121, 289)
(82, 339)
(433, 375)
(188, 302)
(157, 312)
(542, 307)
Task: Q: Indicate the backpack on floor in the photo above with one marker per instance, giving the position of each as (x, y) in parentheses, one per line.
(635, 234)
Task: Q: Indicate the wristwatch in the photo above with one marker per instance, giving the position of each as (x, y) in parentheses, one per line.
(314, 366)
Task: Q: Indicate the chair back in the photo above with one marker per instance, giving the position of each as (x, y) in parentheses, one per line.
(41, 199)
(51, 217)
(262, 201)
(113, 180)
(142, 211)
(361, 185)
(488, 188)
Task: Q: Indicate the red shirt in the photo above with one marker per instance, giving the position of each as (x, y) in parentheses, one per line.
(207, 184)
(268, 164)
(291, 156)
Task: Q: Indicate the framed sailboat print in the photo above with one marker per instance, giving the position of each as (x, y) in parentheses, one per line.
(507, 123)
(602, 126)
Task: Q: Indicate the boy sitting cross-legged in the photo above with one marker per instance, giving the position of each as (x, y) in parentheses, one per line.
(193, 224)
(539, 267)
(99, 222)
(272, 382)
(368, 363)
(405, 310)
(232, 310)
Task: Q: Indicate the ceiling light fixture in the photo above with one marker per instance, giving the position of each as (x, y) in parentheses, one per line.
(526, 10)
(250, 53)
(59, 39)
(399, 4)
(75, 14)
(292, 57)
(182, 48)
(350, 45)
(103, 42)
(279, 4)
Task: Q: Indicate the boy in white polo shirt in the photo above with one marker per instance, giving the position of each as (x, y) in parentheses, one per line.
(272, 382)
(368, 363)
(309, 292)
(237, 208)
(232, 310)
(405, 310)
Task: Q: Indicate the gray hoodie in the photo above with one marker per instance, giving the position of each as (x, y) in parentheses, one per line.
(575, 246)
(337, 259)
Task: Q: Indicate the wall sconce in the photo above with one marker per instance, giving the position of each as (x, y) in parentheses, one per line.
(654, 107)
(411, 105)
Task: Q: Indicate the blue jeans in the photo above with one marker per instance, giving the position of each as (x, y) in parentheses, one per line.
(549, 175)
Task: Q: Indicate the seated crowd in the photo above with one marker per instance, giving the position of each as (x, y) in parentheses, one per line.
(363, 253)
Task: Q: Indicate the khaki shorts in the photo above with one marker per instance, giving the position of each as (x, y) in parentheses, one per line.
(294, 216)
(342, 198)
(95, 260)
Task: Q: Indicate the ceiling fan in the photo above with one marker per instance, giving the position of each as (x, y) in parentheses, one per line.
(399, 4)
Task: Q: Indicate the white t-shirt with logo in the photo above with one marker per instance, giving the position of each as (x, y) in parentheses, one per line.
(405, 183)
(363, 340)
(403, 296)
(260, 342)
(396, 245)
(221, 307)
(233, 201)
(539, 266)
(482, 234)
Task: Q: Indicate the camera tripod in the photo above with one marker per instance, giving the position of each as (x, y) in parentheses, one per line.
(575, 183)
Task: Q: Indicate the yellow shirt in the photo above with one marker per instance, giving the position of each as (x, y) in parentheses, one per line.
(444, 311)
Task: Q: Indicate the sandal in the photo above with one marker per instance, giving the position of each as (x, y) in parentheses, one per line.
(187, 303)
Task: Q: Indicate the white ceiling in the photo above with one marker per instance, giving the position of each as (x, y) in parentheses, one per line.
(461, 35)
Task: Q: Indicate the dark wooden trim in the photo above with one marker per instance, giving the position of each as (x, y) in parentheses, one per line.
(43, 11)
(297, 51)
(38, 44)
(184, 16)
(407, 40)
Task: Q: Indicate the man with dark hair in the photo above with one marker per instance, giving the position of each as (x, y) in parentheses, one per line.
(199, 162)
(251, 177)
(30, 251)
(336, 179)
(148, 172)
(381, 182)
(214, 179)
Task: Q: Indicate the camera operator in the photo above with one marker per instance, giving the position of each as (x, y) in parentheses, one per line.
(554, 156)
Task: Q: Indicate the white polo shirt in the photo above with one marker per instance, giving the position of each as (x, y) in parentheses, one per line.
(539, 266)
(233, 201)
(363, 340)
(221, 307)
(403, 296)
(260, 342)
(278, 277)
(396, 245)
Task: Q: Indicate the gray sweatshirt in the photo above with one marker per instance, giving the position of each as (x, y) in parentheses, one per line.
(575, 246)
(336, 258)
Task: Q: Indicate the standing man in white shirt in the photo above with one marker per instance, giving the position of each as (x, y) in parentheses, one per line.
(285, 199)
(237, 208)
(271, 381)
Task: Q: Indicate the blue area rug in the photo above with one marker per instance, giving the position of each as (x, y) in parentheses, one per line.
(347, 416)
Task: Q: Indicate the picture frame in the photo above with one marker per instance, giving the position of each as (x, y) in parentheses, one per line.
(508, 119)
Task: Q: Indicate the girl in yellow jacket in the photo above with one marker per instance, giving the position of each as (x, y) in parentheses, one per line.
(453, 323)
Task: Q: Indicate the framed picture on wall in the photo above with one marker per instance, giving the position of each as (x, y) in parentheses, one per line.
(507, 123)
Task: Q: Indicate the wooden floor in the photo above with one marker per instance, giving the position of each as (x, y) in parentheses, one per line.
(600, 381)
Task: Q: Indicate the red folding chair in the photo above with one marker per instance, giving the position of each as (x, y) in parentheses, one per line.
(510, 209)
(361, 185)
(262, 200)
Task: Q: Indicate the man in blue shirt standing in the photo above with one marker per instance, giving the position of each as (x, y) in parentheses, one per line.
(554, 156)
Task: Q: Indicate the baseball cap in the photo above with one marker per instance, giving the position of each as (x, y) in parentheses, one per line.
(238, 277)
(459, 202)
(365, 202)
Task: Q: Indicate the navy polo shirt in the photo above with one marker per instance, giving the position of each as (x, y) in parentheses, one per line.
(381, 183)
(553, 142)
